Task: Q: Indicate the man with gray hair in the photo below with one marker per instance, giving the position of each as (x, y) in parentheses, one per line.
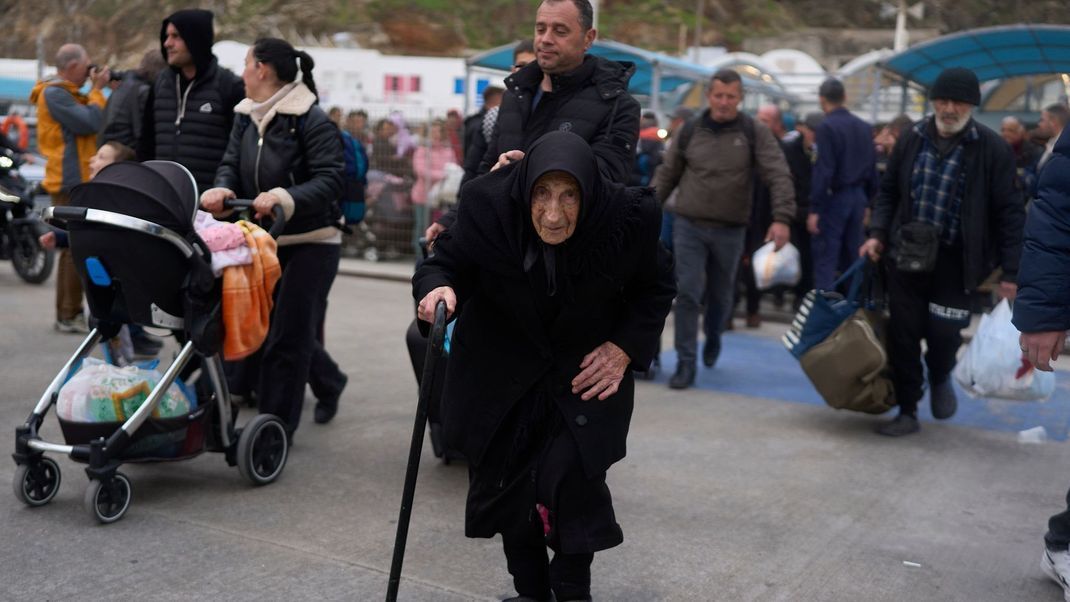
(67, 124)
(1026, 153)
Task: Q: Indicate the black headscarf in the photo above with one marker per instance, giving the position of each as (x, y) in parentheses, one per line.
(563, 152)
(494, 220)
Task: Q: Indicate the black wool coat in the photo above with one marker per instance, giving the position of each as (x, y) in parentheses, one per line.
(992, 213)
(500, 351)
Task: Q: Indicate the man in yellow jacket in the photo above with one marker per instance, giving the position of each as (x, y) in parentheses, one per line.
(67, 124)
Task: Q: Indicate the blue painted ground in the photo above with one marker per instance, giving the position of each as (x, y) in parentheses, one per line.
(760, 367)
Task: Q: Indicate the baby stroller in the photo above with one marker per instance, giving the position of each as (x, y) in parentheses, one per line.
(140, 261)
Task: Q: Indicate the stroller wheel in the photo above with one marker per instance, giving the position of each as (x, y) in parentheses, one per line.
(108, 500)
(36, 483)
(262, 449)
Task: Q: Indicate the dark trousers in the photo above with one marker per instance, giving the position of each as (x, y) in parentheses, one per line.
(324, 377)
(1058, 536)
(841, 234)
(932, 306)
(286, 358)
(68, 284)
(535, 576)
(706, 259)
(800, 237)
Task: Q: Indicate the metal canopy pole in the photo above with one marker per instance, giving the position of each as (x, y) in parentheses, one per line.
(875, 98)
(655, 87)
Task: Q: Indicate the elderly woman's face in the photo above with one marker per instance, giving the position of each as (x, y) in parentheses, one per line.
(555, 207)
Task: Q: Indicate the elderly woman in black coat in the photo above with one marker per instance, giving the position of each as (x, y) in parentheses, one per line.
(560, 285)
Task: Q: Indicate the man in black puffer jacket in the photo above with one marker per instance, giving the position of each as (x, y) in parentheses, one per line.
(565, 89)
(191, 105)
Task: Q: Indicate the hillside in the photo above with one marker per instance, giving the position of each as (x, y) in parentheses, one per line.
(117, 31)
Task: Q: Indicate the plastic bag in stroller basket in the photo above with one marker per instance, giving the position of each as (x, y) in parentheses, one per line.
(100, 392)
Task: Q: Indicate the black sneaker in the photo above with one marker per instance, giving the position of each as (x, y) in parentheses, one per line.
(710, 352)
(942, 399)
(903, 424)
(327, 407)
(684, 377)
(146, 345)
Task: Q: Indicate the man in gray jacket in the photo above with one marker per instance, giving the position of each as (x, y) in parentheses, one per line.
(713, 166)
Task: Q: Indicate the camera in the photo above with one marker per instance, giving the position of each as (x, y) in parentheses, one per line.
(115, 74)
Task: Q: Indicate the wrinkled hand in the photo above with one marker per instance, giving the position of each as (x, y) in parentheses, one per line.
(780, 234)
(1042, 348)
(601, 372)
(212, 199)
(811, 224)
(48, 240)
(1008, 290)
(873, 248)
(508, 157)
(263, 203)
(426, 310)
(432, 233)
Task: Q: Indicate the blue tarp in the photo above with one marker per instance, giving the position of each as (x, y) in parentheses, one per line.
(990, 52)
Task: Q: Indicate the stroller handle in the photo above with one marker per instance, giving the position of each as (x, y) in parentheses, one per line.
(278, 216)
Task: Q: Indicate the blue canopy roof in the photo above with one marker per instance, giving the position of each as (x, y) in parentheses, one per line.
(990, 52)
(12, 88)
(671, 71)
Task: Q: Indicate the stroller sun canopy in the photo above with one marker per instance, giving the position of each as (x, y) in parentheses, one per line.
(162, 192)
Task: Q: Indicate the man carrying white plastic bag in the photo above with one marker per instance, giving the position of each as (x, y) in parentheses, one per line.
(776, 268)
(993, 365)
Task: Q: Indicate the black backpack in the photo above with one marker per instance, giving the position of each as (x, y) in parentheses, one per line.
(688, 131)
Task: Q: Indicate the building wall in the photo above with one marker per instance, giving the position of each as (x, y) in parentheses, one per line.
(355, 78)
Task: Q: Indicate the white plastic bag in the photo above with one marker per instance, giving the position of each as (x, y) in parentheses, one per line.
(444, 192)
(993, 366)
(100, 392)
(773, 268)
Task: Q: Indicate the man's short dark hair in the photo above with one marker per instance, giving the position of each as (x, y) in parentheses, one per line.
(491, 92)
(832, 90)
(360, 112)
(1059, 112)
(522, 47)
(586, 11)
(727, 77)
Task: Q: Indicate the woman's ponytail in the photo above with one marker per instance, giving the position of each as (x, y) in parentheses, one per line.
(286, 60)
(306, 63)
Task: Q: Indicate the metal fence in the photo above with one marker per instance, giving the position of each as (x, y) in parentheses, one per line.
(412, 179)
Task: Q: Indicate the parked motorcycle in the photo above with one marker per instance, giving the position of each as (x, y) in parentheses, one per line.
(20, 225)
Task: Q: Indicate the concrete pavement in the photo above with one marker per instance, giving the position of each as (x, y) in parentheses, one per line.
(722, 497)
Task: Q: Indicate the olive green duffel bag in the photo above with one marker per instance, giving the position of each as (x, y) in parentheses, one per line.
(850, 368)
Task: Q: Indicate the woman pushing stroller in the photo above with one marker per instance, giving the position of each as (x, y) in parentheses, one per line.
(560, 285)
(284, 150)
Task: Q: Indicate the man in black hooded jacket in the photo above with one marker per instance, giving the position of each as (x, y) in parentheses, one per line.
(566, 90)
(191, 105)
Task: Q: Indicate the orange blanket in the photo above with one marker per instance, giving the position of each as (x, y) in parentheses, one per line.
(247, 295)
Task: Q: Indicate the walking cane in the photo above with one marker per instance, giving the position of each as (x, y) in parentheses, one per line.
(434, 350)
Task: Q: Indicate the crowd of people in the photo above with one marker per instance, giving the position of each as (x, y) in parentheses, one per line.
(578, 226)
